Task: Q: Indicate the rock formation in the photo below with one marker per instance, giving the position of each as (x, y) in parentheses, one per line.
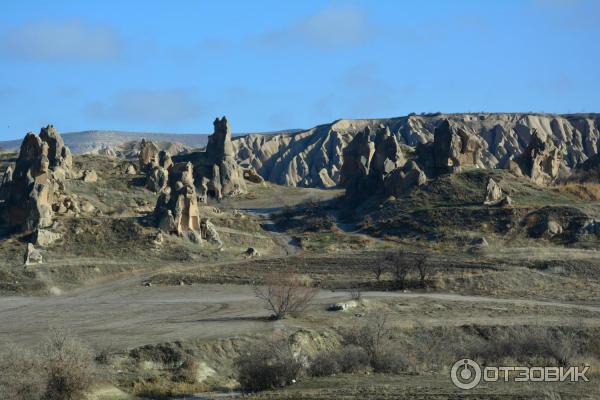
(209, 232)
(314, 157)
(216, 168)
(36, 182)
(7, 178)
(404, 178)
(357, 163)
(89, 175)
(158, 174)
(251, 175)
(130, 170)
(59, 155)
(177, 209)
(148, 156)
(157, 179)
(375, 164)
(493, 193)
(455, 147)
(32, 255)
(541, 160)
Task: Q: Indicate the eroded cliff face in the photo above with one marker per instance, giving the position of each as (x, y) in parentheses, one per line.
(314, 158)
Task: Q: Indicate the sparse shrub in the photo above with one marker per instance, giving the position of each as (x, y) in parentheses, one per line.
(69, 365)
(356, 293)
(352, 359)
(529, 343)
(187, 372)
(389, 361)
(285, 294)
(373, 336)
(267, 365)
(167, 354)
(103, 356)
(21, 375)
(324, 364)
(60, 369)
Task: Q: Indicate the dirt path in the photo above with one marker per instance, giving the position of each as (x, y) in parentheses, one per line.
(286, 242)
(124, 313)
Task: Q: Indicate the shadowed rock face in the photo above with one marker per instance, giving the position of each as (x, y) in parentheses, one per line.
(455, 147)
(541, 160)
(375, 165)
(59, 155)
(36, 182)
(216, 169)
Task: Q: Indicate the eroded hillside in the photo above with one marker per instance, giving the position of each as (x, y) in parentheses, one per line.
(313, 158)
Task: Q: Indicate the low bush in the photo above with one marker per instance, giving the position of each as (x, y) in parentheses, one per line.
(352, 359)
(187, 372)
(324, 364)
(267, 365)
(62, 368)
(389, 361)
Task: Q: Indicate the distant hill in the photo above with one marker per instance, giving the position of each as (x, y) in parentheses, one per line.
(93, 141)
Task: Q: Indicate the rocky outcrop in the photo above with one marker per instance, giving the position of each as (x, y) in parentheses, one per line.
(357, 163)
(89, 175)
(402, 179)
(374, 164)
(45, 237)
(251, 175)
(148, 157)
(541, 159)
(158, 172)
(157, 179)
(455, 147)
(314, 157)
(493, 193)
(59, 155)
(164, 159)
(30, 191)
(6, 181)
(209, 232)
(177, 209)
(216, 168)
(130, 170)
(32, 255)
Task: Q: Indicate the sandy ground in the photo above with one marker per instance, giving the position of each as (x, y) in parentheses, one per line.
(125, 313)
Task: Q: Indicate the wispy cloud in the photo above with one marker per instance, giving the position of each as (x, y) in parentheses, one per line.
(73, 40)
(170, 106)
(335, 26)
(560, 84)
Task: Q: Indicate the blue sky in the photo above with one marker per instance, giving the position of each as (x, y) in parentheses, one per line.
(175, 65)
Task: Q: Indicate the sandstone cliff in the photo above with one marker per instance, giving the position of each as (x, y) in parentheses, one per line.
(314, 157)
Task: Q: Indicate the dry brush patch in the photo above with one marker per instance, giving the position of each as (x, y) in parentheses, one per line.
(61, 368)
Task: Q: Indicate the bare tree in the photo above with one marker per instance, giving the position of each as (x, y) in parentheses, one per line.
(423, 267)
(379, 266)
(285, 293)
(400, 265)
